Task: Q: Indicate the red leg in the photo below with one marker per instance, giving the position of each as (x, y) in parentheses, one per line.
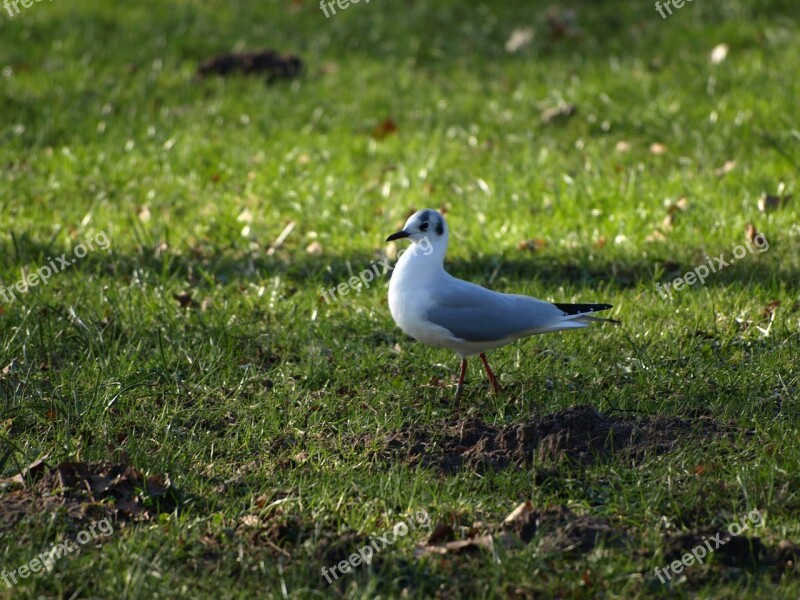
(460, 386)
(492, 378)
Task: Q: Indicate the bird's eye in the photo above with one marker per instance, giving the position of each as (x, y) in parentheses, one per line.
(424, 226)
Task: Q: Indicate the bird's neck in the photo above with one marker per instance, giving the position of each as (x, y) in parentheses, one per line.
(418, 261)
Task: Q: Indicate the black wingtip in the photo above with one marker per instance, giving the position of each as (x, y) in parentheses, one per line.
(579, 309)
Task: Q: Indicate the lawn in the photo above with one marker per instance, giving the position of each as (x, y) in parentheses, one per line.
(182, 406)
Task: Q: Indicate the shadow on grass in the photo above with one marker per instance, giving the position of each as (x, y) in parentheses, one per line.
(580, 268)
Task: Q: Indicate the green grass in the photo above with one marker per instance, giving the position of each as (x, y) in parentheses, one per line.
(101, 115)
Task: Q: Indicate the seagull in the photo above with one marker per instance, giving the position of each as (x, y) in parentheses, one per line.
(437, 309)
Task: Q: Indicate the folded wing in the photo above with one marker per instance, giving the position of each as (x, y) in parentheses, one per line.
(475, 314)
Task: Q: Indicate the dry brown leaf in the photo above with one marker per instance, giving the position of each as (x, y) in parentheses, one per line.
(655, 236)
(384, 129)
(250, 520)
(771, 307)
(518, 39)
(32, 471)
(184, 299)
(559, 113)
(726, 168)
(622, 146)
(314, 249)
(520, 512)
(484, 542)
(750, 233)
(535, 244)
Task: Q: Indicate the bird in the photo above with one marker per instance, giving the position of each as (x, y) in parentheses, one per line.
(440, 310)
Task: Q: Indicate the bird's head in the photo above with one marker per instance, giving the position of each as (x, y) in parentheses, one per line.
(425, 227)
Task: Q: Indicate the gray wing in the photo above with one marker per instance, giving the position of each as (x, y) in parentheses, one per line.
(475, 314)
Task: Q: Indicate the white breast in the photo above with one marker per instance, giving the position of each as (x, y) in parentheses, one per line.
(409, 300)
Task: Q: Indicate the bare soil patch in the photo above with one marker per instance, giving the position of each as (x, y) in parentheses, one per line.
(86, 491)
(577, 436)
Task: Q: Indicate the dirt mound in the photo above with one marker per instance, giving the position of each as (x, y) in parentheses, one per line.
(577, 436)
(740, 552)
(557, 529)
(86, 491)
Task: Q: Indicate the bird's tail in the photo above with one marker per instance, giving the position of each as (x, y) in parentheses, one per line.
(581, 313)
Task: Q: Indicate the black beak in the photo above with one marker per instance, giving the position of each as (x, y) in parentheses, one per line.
(398, 236)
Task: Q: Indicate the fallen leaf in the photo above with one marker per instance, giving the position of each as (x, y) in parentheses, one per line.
(750, 233)
(655, 236)
(384, 129)
(534, 245)
(184, 299)
(250, 520)
(32, 471)
(719, 53)
(11, 368)
(559, 113)
(771, 307)
(484, 542)
(518, 39)
(520, 512)
(622, 146)
(314, 249)
(726, 168)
